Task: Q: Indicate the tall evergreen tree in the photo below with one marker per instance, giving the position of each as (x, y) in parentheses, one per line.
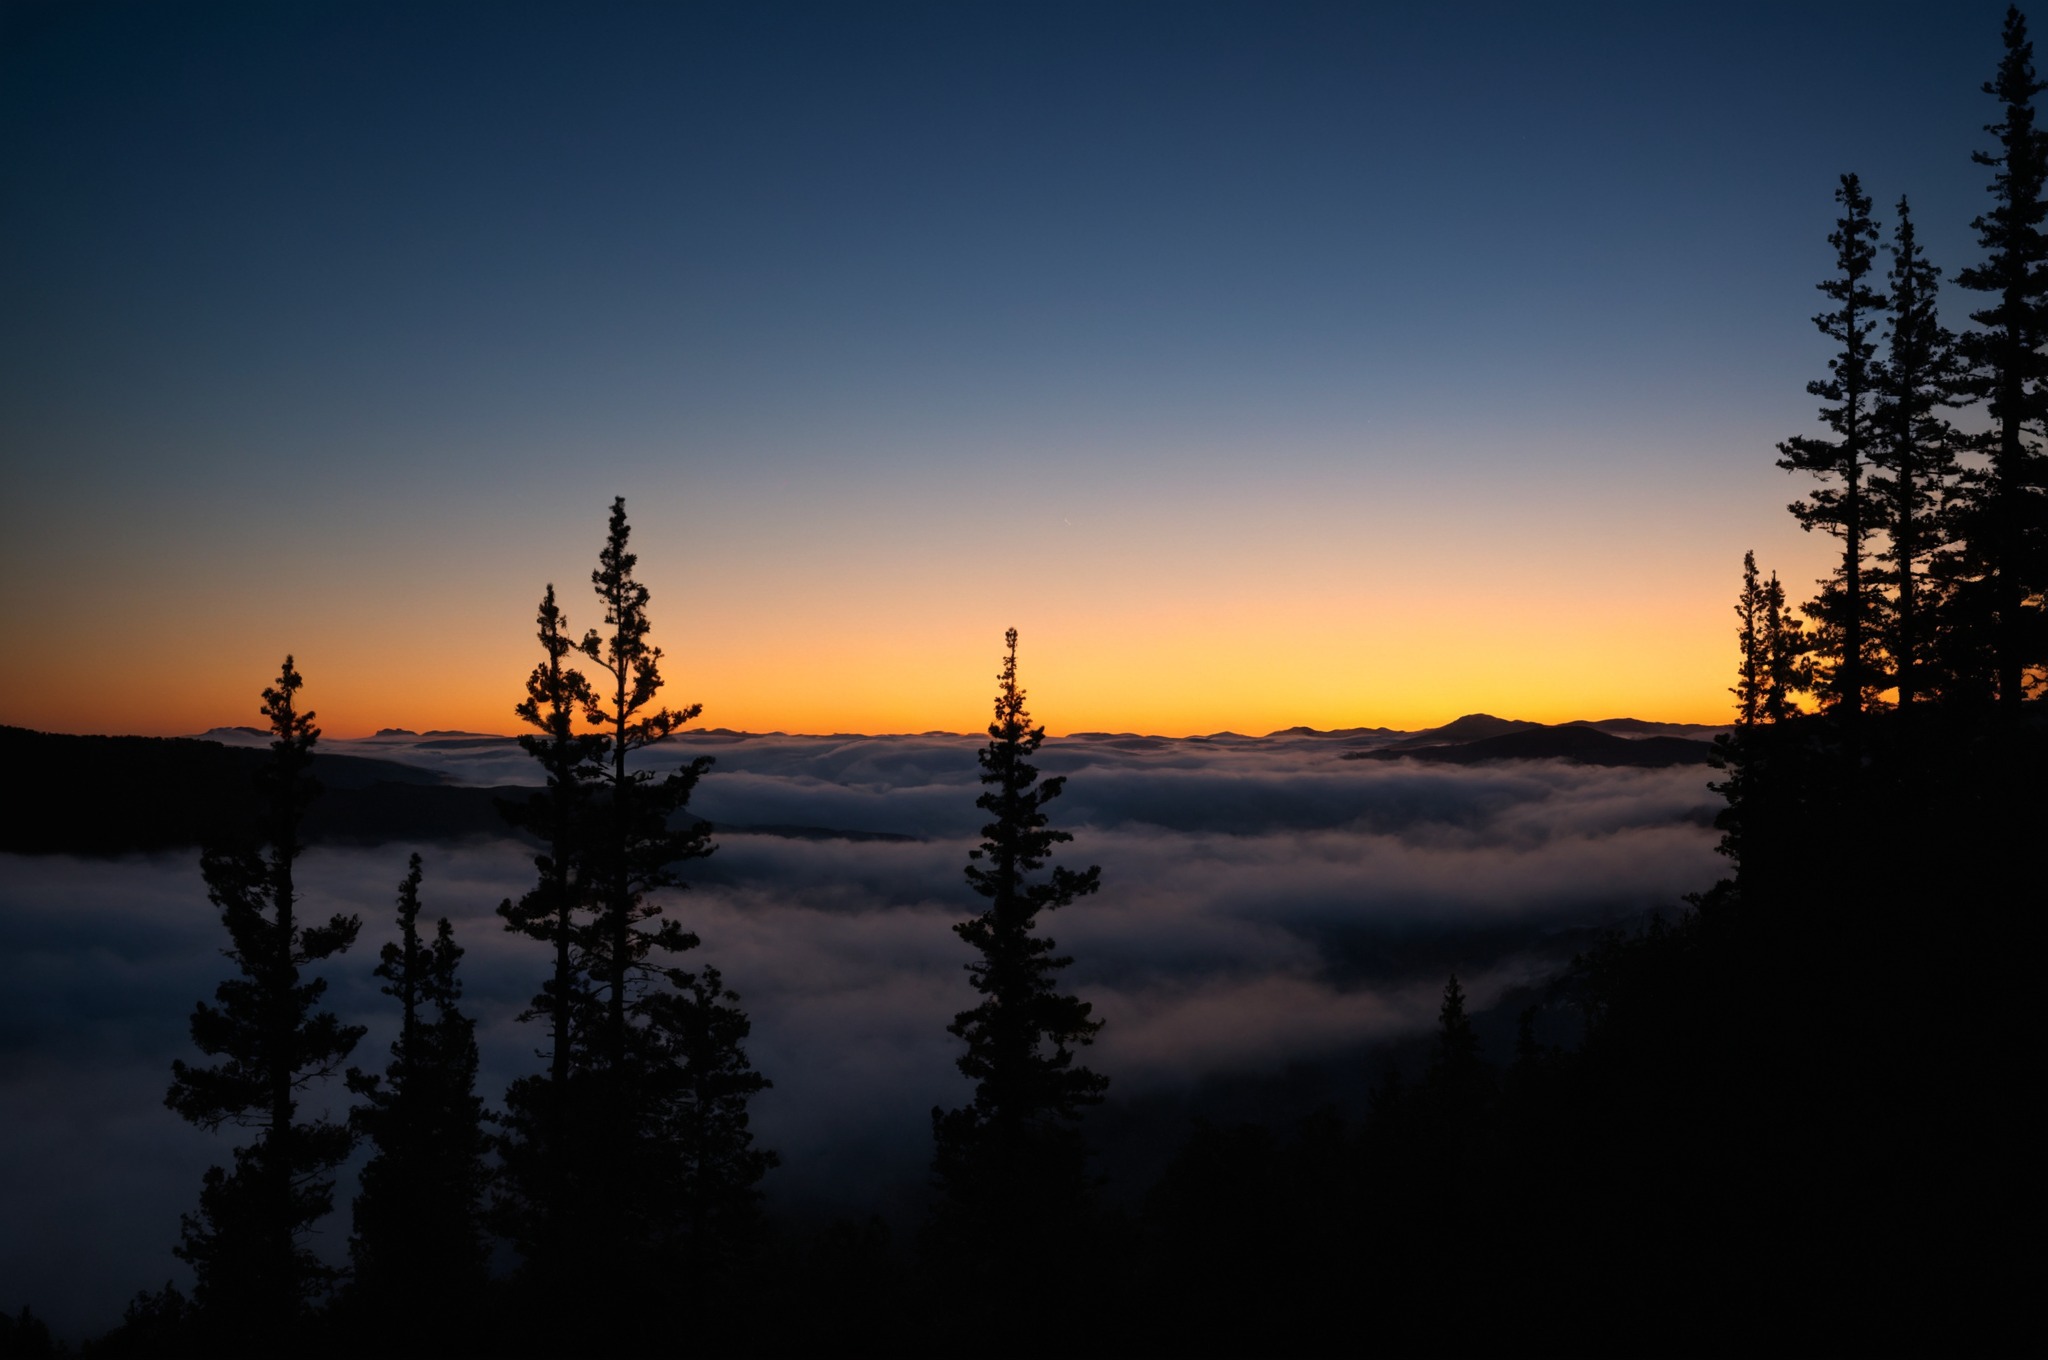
(1456, 1055)
(633, 845)
(1913, 456)
(1787, 669)
(1459, 1084)
(1752, 674)
(1012, 1165)
(541, 1152)
(632, 1159)
(1845, 608)
(1770, 650)
(1771, 668)
(255, 1274)
(2004, 518)
(418, 1248)
(702, 1083)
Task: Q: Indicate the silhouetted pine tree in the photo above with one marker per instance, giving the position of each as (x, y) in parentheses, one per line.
(255, 1276)
(701, 1083)
(418, 1249)
(1846, 607)
(647, 1095)
(1771, 666)
(1771, 663)
(1454, 1064)
(1012, 1165)
(2004, 516)
(1788, 669)
(632, 844)
(1752, 672)
(1913, 457)
(544, 1146)
(1458, 1091)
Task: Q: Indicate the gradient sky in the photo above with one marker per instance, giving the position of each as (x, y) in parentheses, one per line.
(1262, 364)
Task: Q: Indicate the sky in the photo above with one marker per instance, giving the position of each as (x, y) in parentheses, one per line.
(1263, 365)
(1271, 918)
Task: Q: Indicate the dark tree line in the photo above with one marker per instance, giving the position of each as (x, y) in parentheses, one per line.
(1939, 595)
(625, 1171)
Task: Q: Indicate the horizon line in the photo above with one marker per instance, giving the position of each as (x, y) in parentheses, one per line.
(1299, 729)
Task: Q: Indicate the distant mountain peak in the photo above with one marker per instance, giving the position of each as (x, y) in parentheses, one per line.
(1471, 727)
(233, 736)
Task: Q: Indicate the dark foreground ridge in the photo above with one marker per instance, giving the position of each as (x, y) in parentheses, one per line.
(179, 793)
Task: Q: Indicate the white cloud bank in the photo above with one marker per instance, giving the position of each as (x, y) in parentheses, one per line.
(1262, 902)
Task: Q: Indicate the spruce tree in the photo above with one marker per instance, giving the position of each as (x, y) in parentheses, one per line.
(1913, 455)
(1787, 668)
(1771, 667)
(1770, 650)
(1459, 1085)
(2004, 516)
(1845, 609)
(270, 1045)
(543, 1149)
(1012, 1165)
(631, 1162)
(1752, 675)
(1457, 1044)
(632, 842)
(418, 1249)
(701, 1085)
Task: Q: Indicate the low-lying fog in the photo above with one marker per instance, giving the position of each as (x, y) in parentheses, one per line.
(1263, 903)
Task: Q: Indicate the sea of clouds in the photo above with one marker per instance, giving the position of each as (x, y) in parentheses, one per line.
(1264, 903)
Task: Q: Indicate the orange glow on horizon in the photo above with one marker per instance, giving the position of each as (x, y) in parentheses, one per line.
(1276, 670)
(1158, 630)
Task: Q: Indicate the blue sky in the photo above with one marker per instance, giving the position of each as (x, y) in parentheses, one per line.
(335, 327)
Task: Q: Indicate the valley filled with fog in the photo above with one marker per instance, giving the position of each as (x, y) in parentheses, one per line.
(1267, 907)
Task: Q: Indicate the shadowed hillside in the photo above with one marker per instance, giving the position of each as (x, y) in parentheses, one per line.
(175, 793)
(1576, 742)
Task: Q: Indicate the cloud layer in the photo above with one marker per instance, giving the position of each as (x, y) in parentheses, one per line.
(1263, 902)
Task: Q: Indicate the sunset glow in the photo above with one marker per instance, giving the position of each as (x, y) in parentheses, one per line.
(1352, 671)
(1213, 373)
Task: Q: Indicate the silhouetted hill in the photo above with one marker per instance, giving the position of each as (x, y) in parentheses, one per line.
(1641, 727)
(1471, 727)
(113, 795)
(122, 795)
(231, 736)
(1531, 741)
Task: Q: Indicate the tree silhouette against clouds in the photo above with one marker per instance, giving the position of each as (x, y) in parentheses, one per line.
(255, 1274)
(630, 1166)
(418, 1247)
(633, 845)
(1012, 1165)
(541, 1150)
